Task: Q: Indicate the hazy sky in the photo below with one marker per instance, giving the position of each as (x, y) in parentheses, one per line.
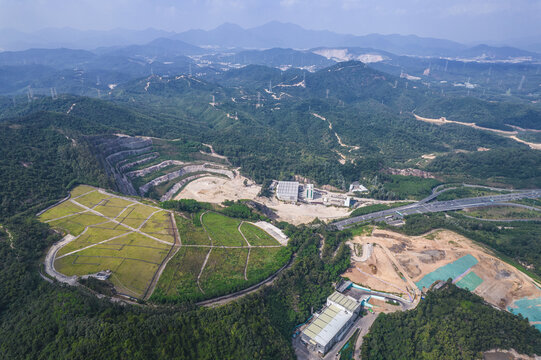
(462, 20)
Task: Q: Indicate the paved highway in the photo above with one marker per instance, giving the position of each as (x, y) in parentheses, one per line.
(424, 206)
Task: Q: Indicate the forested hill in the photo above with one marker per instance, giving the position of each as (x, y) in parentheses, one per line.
(41, 159)
(450, 323)
(276, 135)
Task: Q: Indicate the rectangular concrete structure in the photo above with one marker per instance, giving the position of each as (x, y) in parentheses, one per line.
(332, 323)
(287, 191)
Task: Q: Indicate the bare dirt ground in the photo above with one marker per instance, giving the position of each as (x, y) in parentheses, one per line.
(420, 255)
(506, 355)
(304, 213)
(216, 189)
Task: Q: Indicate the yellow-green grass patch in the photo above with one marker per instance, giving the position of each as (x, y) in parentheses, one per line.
(223, 230)
(80, 190)
(76, 224)
(92, 199)
(149, 253)
(136, 239)
(159, 226)
(66, 208)
(191, 234)
(224, 272)
(135, 215)
(112, 207)
(179, 279)
(264, 262)
(76, 265)
(133, 277)
(92, 236)
(256, 236)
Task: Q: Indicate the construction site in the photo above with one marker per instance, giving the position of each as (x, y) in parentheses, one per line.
(386, 261)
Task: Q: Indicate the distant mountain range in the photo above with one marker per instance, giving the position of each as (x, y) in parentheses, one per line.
(271, 35)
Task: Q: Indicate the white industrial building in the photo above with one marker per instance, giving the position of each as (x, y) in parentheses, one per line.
(357, 187)
(332, 323)
(287, 191)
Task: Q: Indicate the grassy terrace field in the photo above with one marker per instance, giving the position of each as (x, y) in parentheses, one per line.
(132, 240)
(111, 233)
(231, 263)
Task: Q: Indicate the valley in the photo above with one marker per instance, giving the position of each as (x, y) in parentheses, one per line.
(270, 192)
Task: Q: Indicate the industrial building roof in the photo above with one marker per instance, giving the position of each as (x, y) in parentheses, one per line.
(288, 188)
(346, 302)
(323, 329)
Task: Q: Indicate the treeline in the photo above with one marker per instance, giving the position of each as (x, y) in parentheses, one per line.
(449, 323)
(235, 209)
(520, 168)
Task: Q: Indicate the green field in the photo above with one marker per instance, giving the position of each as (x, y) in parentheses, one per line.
(257, 236)
(224, 272)
(190, 234)
(179, 279)
(467, 192)
(223, 230)
(225, 268)
(503, 213)
(264, 262)
(103, 244)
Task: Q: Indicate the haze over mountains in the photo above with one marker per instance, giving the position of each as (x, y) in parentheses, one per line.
(270, 35)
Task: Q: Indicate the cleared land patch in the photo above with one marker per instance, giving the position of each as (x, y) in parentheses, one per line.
(412, 262)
